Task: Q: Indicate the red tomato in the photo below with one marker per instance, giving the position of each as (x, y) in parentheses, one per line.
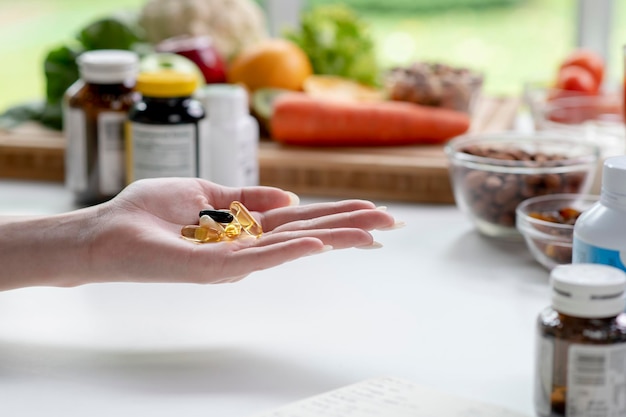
(588, 60)
(575, 78)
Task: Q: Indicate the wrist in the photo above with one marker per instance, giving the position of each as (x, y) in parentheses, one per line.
(46, 251)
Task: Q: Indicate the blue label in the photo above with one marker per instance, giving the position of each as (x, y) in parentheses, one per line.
(586, 253)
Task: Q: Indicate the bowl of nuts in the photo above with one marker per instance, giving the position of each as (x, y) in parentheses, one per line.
(434, 84)
(547, 224)
(492, 173)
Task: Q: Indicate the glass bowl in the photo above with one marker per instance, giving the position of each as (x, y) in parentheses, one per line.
(596, 119)
(536, 94)
(550, 242)
(492, 173)
(593, 119)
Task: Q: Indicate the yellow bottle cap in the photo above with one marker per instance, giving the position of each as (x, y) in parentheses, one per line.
(167, 83)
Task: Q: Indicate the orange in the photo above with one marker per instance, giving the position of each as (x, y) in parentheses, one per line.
(272, 63)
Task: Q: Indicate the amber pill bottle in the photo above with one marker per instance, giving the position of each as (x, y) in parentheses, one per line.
(164, 129)
(95, 111)
(581, 344)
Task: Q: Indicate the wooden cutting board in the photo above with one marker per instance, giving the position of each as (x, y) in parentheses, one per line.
(408, 173)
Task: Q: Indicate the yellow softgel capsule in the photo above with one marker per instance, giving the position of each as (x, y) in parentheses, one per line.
(200, 234)
(232, 230)
(245, 219)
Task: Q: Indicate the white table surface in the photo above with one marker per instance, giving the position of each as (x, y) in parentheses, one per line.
(438, 305)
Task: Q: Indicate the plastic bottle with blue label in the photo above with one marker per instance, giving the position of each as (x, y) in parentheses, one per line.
(600, 232)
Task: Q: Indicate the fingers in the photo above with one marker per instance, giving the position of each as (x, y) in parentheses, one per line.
(261, 256)
(338, 238)
(277, 248)
(366, 219)
(259, 198)
(275, 218)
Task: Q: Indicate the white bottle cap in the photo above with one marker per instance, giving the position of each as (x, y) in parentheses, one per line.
(108, 66)
(614, 175)
(588, 290)
(224, 102)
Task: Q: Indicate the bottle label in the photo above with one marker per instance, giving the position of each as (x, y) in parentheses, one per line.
(75, 126)
(596, 381)
(111, 152)
(249, 157)
(240, 142)
(586, 253)
(204, 150)
(163, 150)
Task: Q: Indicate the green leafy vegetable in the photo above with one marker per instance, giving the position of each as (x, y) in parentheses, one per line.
(61, 71)
(115, 32)
(119, 31)
(337, 42)
(19, 114)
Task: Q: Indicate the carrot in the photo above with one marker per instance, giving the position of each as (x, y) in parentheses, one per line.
(299, 119)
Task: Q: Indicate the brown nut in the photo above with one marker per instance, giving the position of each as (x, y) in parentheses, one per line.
(494, 197)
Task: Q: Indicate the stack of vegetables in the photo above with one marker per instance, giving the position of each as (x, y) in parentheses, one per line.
(317, 84)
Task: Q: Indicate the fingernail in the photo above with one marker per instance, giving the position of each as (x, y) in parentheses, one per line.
(294, 200)
(396, 225)
(381, 208)
(373, 245)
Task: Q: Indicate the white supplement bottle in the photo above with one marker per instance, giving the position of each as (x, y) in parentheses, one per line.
(232, 136)
(600, 232)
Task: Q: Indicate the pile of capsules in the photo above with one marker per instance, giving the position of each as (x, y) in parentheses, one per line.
(219, 225)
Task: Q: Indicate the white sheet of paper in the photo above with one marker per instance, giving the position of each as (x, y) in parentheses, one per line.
(387, 397)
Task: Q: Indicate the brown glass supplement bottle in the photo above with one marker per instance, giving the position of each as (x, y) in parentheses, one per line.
(164, 129)
(96, 108)
(581, 344)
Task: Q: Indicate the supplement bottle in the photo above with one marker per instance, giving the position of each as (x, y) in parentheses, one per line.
(163, 130)
(600, 232)
(580, 364)
(232, 136)
(95, 110)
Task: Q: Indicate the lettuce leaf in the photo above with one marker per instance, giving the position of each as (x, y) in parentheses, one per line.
(338, 42)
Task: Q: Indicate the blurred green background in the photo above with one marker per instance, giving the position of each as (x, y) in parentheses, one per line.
(510, 41)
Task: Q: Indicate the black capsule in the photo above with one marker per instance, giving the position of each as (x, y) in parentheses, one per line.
(220, 216)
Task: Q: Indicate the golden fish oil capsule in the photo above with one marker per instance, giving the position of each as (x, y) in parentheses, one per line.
(202, 234)
(232, 230)
(245, 219)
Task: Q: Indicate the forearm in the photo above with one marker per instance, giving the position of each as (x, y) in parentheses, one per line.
(46, 251)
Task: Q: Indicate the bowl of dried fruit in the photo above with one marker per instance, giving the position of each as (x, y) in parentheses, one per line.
(547, 224)
(492, 173)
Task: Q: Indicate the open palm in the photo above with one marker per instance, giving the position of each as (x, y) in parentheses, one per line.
(137, 234)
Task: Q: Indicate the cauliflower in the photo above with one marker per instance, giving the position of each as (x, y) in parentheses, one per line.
(232, 24)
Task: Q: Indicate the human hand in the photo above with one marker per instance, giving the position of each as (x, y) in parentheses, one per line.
(137, 234)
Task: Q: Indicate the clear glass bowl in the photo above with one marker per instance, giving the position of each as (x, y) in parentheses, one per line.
(596, 119)
(550, 243)
(489, 188)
